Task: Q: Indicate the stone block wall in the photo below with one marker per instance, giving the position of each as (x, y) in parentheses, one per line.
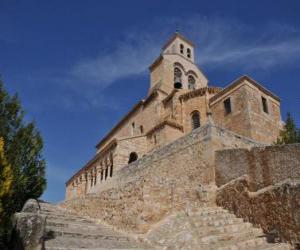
(160, 183)
(264, 165)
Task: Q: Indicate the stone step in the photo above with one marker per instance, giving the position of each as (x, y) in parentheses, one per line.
(213, 217)
(234, 228)
(85, 234)
(66, 216)
(82, 224)
(264, 246)
(238, 236)
(211, 212)
(96, 248)
(218, 222)
(69, 220)
(62, 242)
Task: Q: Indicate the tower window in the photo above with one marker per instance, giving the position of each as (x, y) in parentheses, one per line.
(264, 104)
(191, 82)
(141, 129)
(177, 78)
(227, 106)
(188, 52)
(181, 48)
(132, 128)
(195, 120)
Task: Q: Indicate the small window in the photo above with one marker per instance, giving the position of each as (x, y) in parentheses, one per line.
(227, 106)
(155, 139)
(265, 104)
(132, 157)
(195, 120)
(141, 129)
(181, 48)
(132, 128)
(188, 52)
(191, 82)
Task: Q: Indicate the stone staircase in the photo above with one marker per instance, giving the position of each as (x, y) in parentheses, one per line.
(209, 228)
(68, 231)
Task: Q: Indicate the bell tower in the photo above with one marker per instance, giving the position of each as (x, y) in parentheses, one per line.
(175, 67)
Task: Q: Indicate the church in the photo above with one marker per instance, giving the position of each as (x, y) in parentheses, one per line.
(180, 100)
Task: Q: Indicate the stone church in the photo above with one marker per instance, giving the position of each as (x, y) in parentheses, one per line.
(180, 100)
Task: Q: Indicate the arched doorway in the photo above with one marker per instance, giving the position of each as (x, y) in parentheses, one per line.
(132, 157)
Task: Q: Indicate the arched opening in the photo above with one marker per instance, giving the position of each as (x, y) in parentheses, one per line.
(191, 82)
(181, 48)
(188, 52)
(195, 120)
(177, 78)
(132, 157)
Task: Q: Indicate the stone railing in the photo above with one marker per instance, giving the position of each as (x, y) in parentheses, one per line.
(275, 208)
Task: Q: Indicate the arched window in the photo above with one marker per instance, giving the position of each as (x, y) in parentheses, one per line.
(188, 53)
(181, 48)
(132, 157)
(177, 78)
(195, 120)
(191, 81)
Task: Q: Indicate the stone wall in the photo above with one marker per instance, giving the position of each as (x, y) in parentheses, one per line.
(247, 116)
(160, 183)
(264, 165)
(275, 208)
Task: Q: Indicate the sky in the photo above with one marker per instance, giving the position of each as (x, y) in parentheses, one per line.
(79, 66)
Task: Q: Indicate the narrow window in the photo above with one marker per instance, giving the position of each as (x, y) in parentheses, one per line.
(227, 106)
(95, 177)
(188, 52)
(181, 48)
(141, 129)
(191, 82)
(132, 128)
(106, 173)
(195, 120)
(265, 104)
(111, 171)
(132, 157)
(155, 139)
(102, 174)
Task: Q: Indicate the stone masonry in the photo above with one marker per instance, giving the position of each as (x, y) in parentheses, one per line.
(179, 100)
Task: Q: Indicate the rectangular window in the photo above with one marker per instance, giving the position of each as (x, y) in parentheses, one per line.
(227, 106)
(264, 104)
(141, 129)
(132, 128)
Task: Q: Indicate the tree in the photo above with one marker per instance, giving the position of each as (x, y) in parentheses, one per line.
(6, 191)
(290, 133)
(23, 152)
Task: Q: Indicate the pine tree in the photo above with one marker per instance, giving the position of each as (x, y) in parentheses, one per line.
(290, 133)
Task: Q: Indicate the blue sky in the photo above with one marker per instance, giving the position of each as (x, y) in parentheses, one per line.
(78, 66)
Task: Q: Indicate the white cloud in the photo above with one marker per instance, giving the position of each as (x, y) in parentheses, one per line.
(220, 42)
(132, 56)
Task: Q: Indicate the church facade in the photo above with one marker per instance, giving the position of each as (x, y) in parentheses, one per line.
(179, 100)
